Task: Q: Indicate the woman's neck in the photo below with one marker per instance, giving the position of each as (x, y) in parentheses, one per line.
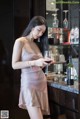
(29, 37)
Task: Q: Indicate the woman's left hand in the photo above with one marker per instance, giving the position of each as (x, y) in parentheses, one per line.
(52, 62)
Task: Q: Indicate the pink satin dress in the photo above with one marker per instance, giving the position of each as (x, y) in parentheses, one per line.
(33, 89)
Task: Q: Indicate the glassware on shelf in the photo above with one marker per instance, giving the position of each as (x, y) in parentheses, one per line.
(56, 35)
(61, 35)
(55, 21)
(49, 32)
(62, 58)
(65, 21)
(58, 68)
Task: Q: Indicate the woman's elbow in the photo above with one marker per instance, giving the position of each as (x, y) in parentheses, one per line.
(14, 66)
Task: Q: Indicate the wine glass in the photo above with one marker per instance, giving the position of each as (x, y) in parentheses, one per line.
(46, 56)
(55, 21)
(65, 21)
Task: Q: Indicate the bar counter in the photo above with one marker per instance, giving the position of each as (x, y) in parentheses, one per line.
(63, 98)
(63, 86)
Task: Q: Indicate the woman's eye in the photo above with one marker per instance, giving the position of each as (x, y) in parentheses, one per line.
(38, 29)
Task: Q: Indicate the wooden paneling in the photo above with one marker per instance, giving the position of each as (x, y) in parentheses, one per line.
(39, 7)
(63, 102)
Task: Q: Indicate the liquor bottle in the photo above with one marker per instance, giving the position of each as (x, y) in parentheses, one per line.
(70, 77)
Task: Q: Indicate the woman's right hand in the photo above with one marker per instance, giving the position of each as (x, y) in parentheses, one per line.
(40, 62)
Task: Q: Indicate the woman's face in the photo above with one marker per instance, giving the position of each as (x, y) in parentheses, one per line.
(38, 31)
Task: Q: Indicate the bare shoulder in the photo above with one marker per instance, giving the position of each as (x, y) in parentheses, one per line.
(20, 41)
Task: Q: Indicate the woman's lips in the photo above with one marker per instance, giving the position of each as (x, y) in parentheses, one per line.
(36, 37)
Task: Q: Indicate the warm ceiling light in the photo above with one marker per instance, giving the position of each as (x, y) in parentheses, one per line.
(52, 3)
(46, 13)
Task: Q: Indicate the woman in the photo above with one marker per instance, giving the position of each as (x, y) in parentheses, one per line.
(28, 57)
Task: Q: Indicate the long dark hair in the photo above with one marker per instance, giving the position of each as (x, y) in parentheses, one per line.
(43, 41)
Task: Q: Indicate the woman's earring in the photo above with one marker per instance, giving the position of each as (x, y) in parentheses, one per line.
(38, 39)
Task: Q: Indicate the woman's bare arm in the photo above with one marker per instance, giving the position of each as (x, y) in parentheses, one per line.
(16, 56)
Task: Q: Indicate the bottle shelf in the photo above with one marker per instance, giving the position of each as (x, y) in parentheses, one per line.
(59, 62)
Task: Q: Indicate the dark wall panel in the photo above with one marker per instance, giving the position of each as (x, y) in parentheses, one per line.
(14, 17)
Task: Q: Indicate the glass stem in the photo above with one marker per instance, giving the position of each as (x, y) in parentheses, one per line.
(65, 15)
(46, 70)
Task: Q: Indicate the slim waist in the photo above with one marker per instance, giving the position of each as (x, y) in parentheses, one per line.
(30, 69)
